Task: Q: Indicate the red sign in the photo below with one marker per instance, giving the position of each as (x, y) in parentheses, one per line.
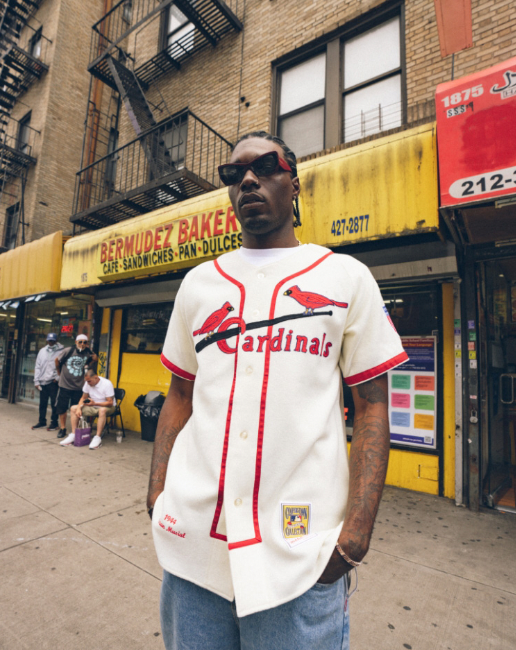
(454, 25)
(67, 329)
(476, 134)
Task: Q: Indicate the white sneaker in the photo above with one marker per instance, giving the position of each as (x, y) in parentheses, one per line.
(96, 442)
(69, 440)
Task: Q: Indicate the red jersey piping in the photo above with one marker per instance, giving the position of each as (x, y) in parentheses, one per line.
(377, 370)
(263, 401)
(222, 477)
(177, 371)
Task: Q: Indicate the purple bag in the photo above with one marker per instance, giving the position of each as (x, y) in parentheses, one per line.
(82, 434)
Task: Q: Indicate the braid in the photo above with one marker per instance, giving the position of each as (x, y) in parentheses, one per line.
(290, 157)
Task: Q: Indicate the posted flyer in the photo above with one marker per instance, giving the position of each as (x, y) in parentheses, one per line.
(413, 394)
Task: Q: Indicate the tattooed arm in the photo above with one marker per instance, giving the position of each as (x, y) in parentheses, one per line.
(368, 460)
(175, 413)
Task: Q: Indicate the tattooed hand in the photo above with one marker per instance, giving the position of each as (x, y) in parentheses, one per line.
(368, 460)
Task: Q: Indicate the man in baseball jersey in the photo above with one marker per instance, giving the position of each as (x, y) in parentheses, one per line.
(257, 514)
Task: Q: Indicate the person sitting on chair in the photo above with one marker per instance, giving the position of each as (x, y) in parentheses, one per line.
(98, 399)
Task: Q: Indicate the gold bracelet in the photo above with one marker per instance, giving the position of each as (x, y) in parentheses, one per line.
(345, 556)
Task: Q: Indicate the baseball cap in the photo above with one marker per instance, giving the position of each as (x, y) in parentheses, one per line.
(51, 337)
(81, 337)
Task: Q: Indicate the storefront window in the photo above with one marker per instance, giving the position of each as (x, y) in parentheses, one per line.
(67, 316)
(7, 342)
(145, 327)
(415, 312)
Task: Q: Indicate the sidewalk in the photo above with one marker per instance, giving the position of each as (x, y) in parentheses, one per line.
(79, 570)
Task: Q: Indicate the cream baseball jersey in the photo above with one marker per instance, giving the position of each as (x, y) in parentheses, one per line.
(257, 481)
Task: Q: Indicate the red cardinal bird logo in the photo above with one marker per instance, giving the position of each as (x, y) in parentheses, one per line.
(310, 300)
(213, 321)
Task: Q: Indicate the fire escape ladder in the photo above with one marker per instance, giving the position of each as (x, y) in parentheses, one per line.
(142, 119)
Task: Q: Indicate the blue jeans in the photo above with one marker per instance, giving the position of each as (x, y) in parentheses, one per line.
(193, 618)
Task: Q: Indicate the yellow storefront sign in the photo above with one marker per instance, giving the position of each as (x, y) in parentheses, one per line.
(171, 244)
(384, 188)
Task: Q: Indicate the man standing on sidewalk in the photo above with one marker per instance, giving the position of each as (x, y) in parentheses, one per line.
(257, 515)
(45, 380)
(71, 366)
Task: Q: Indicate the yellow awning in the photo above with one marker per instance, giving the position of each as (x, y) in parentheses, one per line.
(33, 268)
(383, 188)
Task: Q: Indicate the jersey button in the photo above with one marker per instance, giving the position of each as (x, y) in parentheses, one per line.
(249, 370)
(243, 435)
(260, 276)
(238, 502)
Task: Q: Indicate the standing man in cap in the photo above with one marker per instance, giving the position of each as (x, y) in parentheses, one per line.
(257, 513)
(71, 366)
(45, 380)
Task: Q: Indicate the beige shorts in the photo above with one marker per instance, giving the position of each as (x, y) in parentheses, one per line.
(93, 411)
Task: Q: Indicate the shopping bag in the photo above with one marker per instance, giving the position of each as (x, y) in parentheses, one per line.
(82, 433)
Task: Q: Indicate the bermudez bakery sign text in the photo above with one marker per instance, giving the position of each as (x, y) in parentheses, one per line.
(163, 247)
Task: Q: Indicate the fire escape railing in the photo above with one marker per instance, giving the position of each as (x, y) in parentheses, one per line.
(210, 21)
(173, 161)
(17, 141)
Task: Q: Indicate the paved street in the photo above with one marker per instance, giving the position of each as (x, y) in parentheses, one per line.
(79, 571)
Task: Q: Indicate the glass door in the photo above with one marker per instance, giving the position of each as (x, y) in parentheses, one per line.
(497, 352)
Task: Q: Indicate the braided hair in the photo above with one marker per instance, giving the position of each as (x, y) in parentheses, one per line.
(290, 157)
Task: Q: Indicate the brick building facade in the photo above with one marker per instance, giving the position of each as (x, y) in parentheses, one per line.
(44, 49)
(228, 70)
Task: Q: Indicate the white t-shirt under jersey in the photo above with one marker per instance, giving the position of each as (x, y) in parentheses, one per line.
(257, 481)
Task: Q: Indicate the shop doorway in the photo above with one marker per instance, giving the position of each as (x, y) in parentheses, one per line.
(496, 282)
(7, 350)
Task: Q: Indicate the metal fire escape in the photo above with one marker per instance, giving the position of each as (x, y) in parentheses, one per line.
(22, 49)
(179, 153)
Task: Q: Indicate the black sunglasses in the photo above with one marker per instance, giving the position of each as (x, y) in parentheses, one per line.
(265, 165)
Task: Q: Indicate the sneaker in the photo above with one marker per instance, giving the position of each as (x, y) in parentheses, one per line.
(39, 425)
(53, 427)
(95, 443)
(69, 440)
(61, 433)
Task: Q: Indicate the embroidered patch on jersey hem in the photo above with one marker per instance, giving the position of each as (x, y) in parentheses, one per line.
(295, 523)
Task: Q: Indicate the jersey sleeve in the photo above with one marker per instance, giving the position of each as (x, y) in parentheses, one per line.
(371, 344)
(178, 350)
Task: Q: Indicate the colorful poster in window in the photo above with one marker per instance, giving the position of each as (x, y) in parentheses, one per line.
(413, 394)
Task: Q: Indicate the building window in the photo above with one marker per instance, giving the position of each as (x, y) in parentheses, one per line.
(127, 11)
(178, 28)
(301, 105)
(12, 217)
(24, 135)
(347, 87)
(35, 44)
(372, 81)
(145, 327)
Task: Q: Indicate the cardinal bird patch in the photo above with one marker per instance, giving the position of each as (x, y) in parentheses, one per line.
(214, 320)
(310, 300)
(295, 522)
